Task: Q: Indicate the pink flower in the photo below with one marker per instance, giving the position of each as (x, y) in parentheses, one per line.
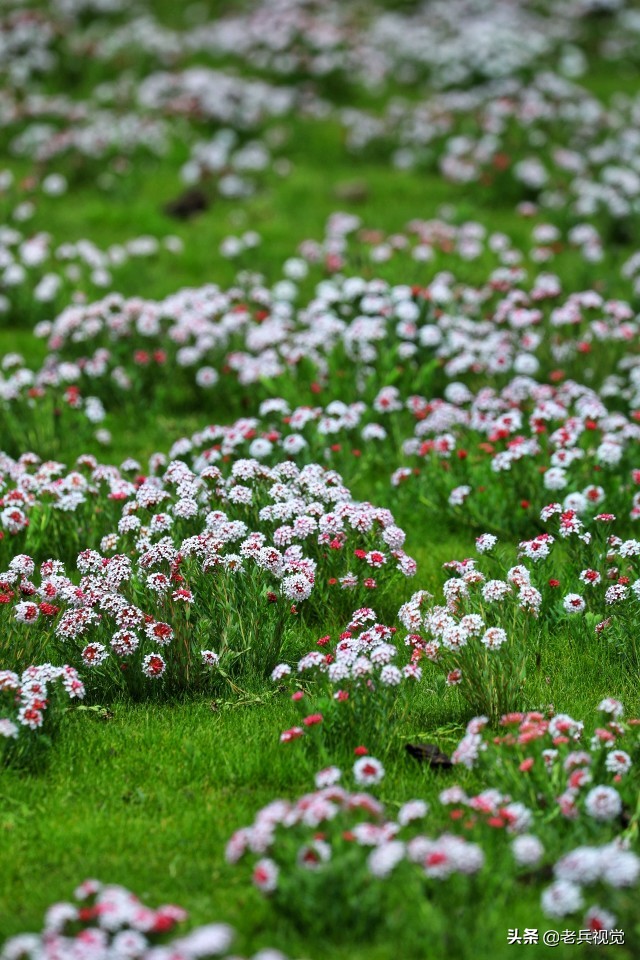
(265, 875)
(293, 734)
(312, 719)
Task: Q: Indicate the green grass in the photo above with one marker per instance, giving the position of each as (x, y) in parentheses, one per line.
(149, 797)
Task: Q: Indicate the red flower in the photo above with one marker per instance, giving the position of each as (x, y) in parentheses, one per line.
(48, 609)
(435, 859)
(312, 719)
(163, 923)
(293, 734)
(361, 751)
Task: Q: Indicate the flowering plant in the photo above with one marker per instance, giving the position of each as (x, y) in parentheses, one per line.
(606, 872)
(478, 638)
(336, 856)
(352, 689)
(31, 706)
(109, 921)
(549, 763)
(191, 572)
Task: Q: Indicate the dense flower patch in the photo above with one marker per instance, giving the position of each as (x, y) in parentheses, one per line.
(110, 921)
(161, 597)
(306, 850)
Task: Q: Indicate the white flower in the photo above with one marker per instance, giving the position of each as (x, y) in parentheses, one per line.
(583, 865)
(390, 675)
(485, 542)
(281, 671)
(209, 658)
(555, 479)
(527, 850)
(385, 858)
(214, 938)
(598, 919)
(260, 447)
(206, 377)
(297, 587)
(620, 868)
(8, 728)
(314, 854)
(494, 637)
(265, 875)
(468, 750)
(26, 612)
(603, 803)
(327, 777)
(367, 771)
(561, 898)
(129, 944)
(153, 666)
(618, 761)
(412, 810)
(573, 603)
(612, 707)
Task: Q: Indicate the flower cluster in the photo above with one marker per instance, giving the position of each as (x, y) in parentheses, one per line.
(284, 542)
(109, 921)
(478, 637)
(312, 851)
(549, 761)
(351, 688)
(32, 702)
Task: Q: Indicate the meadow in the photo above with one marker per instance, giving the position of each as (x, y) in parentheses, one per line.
(319, 479)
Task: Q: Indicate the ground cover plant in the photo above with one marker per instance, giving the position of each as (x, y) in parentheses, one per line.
(319, 479)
